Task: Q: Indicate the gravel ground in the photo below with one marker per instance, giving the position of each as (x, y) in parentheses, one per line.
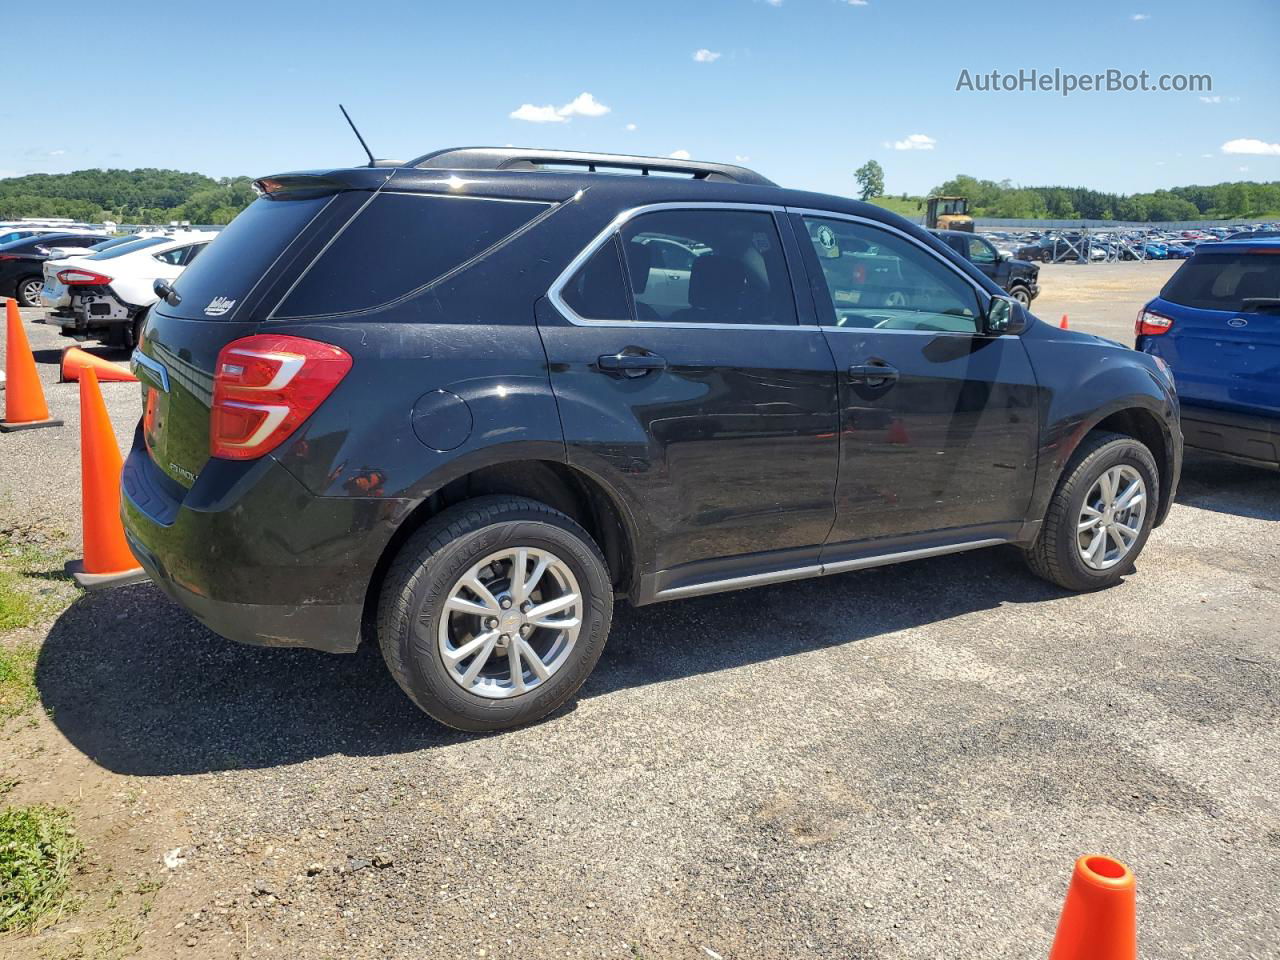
(897, 763)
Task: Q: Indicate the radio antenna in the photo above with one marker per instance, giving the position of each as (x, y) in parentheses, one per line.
(357, 133)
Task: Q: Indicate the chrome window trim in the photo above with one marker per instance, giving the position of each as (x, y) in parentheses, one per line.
(557, 286)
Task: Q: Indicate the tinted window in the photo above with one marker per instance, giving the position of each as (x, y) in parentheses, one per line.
(875, 278)
(736, 270)
(399, 244)
(597, 291)
(245, 250)
(1225, 281)
(192, 252)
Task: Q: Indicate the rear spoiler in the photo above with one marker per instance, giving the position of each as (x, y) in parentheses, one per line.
(297, 185)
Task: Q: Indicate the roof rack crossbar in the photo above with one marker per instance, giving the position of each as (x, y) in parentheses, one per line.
(515, 158)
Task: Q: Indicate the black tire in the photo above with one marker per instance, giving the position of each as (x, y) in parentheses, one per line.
(1055, 555)
(423, 575)
(1021, 294)
(27, 291)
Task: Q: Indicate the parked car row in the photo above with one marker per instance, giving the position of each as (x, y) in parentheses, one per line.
(105, 292)
(1118, 244)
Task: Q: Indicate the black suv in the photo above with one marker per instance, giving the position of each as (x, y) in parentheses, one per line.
(462, 404)
(1019, 278)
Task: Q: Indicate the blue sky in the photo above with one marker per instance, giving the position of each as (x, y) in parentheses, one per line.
(806, 89)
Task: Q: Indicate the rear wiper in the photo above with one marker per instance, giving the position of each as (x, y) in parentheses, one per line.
(1260, 303)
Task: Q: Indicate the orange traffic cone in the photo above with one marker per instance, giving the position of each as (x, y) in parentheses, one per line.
(24, 406)
(1063, 323)
(75, 360)
(898, 432)
(1099, 919)
(108, 561)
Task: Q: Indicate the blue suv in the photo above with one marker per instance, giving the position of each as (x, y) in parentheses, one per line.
(1216, 324)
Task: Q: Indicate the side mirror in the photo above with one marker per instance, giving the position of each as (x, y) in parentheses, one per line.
(1001, 317)
(166, 293)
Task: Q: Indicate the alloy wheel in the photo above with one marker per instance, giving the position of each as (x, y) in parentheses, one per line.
(1111, 518)
(510, 622)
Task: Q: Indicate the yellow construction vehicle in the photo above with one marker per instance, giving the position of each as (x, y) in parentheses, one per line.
(949, 213)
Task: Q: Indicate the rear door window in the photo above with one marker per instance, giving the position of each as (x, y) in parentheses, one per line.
(1234, 282)
(708, 266)
(399, 244)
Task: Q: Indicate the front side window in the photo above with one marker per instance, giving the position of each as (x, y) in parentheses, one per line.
(708, 266)
(877, 279)
(981, 252)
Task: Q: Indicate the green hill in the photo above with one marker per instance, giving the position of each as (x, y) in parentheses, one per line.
(126, 196)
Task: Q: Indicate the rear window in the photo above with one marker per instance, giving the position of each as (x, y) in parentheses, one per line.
(228, 270)
(121, 249)
(399, 244)
(1225, 281)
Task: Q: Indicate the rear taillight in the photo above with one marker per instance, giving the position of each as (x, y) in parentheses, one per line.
(71, 277)
(1151, 324)
(264, 387)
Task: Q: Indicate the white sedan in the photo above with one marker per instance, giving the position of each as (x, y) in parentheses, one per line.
(109, 292)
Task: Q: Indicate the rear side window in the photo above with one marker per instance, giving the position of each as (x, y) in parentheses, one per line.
(244, 251)
(1226, 281)
(398, 244)
(596, 291)
(132, 246)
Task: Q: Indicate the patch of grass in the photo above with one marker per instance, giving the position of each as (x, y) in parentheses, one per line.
(18, 608)
(17, 681)
(911, 208)
(38, 846)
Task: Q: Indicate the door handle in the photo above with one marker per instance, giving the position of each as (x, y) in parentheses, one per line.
(631, 364)
(875, 374)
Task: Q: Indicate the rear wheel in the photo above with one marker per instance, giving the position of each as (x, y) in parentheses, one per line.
(1100, 516)
(28, 291)
(494, 613)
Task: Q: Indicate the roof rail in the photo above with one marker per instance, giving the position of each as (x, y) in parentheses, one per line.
(517, 158)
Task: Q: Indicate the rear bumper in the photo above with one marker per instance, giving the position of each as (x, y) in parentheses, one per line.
(252, 554)
(1246, 437)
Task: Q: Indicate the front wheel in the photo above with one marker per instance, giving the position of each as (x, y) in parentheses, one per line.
(1100, 516)
(494, 613)
(1020, 294)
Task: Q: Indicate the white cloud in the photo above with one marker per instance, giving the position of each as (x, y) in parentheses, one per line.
(631, 127)
(857, 3)
(774, 3)
(679, 155)
(583, 105)
(1214, 99)
(1139, 17)
(56, 153)
(1252, 146)
(1207, 156)
(1244, 169)
(532, 114)
(704, 55)
(917, 141)
(739, 158)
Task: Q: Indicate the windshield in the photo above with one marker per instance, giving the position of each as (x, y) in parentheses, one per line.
(1225, 281)
(140, 243)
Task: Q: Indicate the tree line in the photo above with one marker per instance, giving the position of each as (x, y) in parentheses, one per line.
(125, 196)
(1241, 200)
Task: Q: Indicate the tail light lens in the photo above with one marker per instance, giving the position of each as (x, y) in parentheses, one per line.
(264, 387)
(1151, 324)
(84, 277)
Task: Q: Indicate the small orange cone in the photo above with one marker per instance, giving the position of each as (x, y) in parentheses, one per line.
(75, 360)
(1063, 323)
(24, 406)
(1099, 919)
(108, 562)
(898, 432)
